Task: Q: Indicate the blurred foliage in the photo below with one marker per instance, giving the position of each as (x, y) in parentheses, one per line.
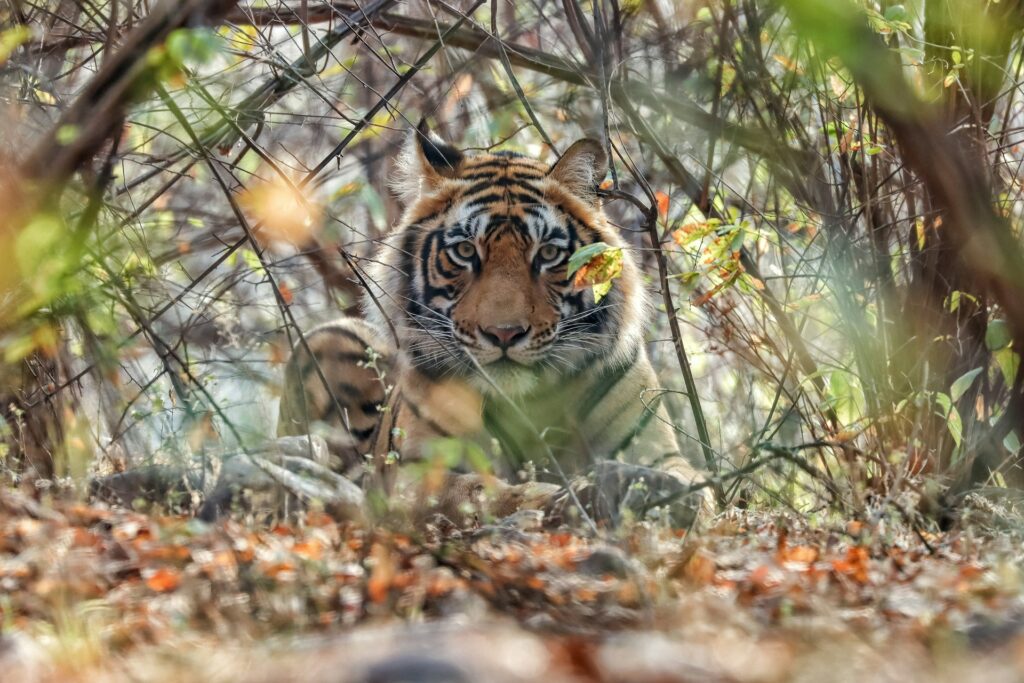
(833, 298)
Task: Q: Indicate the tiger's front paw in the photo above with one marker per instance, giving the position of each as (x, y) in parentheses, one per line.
(614, 492)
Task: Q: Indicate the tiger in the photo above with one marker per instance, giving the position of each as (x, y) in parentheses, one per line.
(477, 331)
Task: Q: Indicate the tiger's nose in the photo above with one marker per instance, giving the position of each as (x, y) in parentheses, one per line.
(504, 336)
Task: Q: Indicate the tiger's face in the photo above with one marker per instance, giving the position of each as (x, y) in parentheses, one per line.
(480, 286)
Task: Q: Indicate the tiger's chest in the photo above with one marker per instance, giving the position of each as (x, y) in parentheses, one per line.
(539, 427)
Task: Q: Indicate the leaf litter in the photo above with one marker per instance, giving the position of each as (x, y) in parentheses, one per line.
(90, 593)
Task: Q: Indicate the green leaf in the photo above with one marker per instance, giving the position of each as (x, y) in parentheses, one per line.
(846, 396)
(736, 243)
(599, 271)
(963, 383)
(37, 242)
(896, 13)
(252, 260)
(67, 134)
(585, 255)
(1011, 442)
(997, 335)
(953, 422)
(193, 46)
(955, 426)
(1009, 364)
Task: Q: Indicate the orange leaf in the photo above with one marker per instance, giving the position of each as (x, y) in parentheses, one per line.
(854, 565)
(706, 296)
(314, 518)
(700, 569)
(580, 280)
(602, 268)
(164, 580)
(583, 594)
(662, 200)
(382, 575)
(279, 570)
(799, 553)
(311, 549)
(286, 292)
(764, 578)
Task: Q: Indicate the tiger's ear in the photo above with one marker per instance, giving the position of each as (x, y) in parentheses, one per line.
(582, 167)
(425, 163)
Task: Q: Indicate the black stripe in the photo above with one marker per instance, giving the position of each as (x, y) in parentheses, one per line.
(445, 272)
(596, 318)
(430, 423)
(578, 226)
(490, 183)
(406, 267)
(490, 197)
(604, 385)
(427, 256)
(348, 390)
(499, 166)
(645, 418)
(363, 434)
(339, 330)
(508, 154)
(515, 175)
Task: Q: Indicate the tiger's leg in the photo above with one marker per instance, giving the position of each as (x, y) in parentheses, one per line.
(640, 468)
(421, 410)
(334, 386)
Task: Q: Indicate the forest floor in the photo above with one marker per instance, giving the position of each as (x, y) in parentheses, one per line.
(94, 594)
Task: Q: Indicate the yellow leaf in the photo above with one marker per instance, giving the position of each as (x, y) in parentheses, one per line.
(787, 62)
(11, 39)
(601, 269)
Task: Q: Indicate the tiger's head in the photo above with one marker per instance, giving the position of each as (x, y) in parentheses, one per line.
(474, 278)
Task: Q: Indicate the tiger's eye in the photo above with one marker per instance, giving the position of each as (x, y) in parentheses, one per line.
(465, 249)
(549, 252)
